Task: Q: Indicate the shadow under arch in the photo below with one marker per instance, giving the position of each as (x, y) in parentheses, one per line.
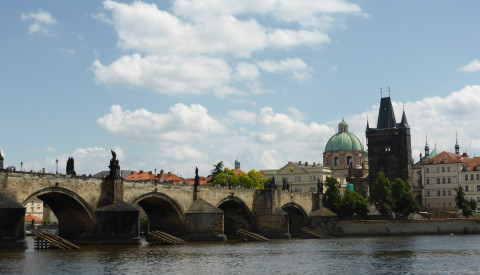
(297, 217)
(236, 216)
(75, 217)
(163, 213)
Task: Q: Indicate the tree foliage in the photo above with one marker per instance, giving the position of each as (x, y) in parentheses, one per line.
(349, 206)
(353, 206)
(467, 206)
(393, 200)
(252, 179)
(333, 199)
(215, 171)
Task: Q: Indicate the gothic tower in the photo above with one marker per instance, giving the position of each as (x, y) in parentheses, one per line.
(389, 145)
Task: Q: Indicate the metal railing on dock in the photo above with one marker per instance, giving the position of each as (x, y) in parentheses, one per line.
(45, 240)
(159, 237)
(250, 236)
(315, 233)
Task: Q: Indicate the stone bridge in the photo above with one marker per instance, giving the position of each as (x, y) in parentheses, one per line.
(92, 210)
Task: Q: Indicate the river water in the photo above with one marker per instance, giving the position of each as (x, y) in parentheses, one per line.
(459, 254)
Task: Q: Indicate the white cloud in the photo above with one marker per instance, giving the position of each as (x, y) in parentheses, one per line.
(246, 71)
(473, 66)
(167, 74)
(181, 124)
(296, 66)
(192, 48)
(41, 21)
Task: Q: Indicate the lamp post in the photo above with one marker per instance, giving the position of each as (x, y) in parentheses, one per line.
(229, 187)
(21, 166)
(155, 177)
(56, 171)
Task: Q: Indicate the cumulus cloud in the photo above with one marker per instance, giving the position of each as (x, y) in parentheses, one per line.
(180, 124)
(204, 47)
(473, 66)
(41, 21)
(296, 66)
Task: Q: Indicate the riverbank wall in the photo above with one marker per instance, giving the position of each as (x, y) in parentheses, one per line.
(413, 227)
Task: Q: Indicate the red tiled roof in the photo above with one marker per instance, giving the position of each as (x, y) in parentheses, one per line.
(238, 171)
(172, 178)
(445, 157)
(30, 218)
(202, 181)
(142, 176)
(471, 165)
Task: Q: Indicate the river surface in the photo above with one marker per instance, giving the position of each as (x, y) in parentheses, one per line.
(458, 254)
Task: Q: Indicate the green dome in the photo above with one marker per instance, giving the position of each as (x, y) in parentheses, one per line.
(343, 141)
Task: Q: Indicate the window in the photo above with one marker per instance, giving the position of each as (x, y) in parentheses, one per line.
(471, 177)
(478, 187)
(349, 160)
(449, 204)
(438, 180)
(428, 193)
(438, 169)
(313, 178)
(478, 176)
(428, 170)
(449, 180)
(466, 188)
(298, 178)
(438, 193)
(428, 181)
(466, 177)
(444, 204)
(448, 169)
(478, 199)
(444, 193)
(449, 192)
(443, 180)
(428, 205)
(335, 161)
(443, 169)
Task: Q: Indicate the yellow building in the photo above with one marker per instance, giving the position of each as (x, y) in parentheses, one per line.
(302, 176)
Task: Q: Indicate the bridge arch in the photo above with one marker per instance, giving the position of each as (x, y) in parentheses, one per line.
(75, 216)
(297, 217)
(236, 216)
(163, 212)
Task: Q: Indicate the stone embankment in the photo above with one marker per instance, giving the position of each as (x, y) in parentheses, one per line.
(415, 227)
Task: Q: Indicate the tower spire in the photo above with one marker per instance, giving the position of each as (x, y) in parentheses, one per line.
(427, 149)
(457, 147)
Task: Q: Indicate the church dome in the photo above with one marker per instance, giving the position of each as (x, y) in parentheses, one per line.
(343, 140)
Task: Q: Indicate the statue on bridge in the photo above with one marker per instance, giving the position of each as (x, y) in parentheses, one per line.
(71, 167)
(114, 166)
(285, 185)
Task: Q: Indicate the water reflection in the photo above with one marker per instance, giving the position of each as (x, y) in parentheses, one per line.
(369, 255)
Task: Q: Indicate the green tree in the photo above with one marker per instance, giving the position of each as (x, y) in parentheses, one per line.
(215, 171)
(380, 195)
(258, 181)
(403, 202)
(467, 206)
(333, 199)
(353, 206)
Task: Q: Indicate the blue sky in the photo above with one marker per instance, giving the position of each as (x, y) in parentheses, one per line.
(179, 84)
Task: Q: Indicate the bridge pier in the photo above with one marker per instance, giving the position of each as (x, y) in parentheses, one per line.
(204, 222)
(12, 223)
(116, 220)
(270, 220)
